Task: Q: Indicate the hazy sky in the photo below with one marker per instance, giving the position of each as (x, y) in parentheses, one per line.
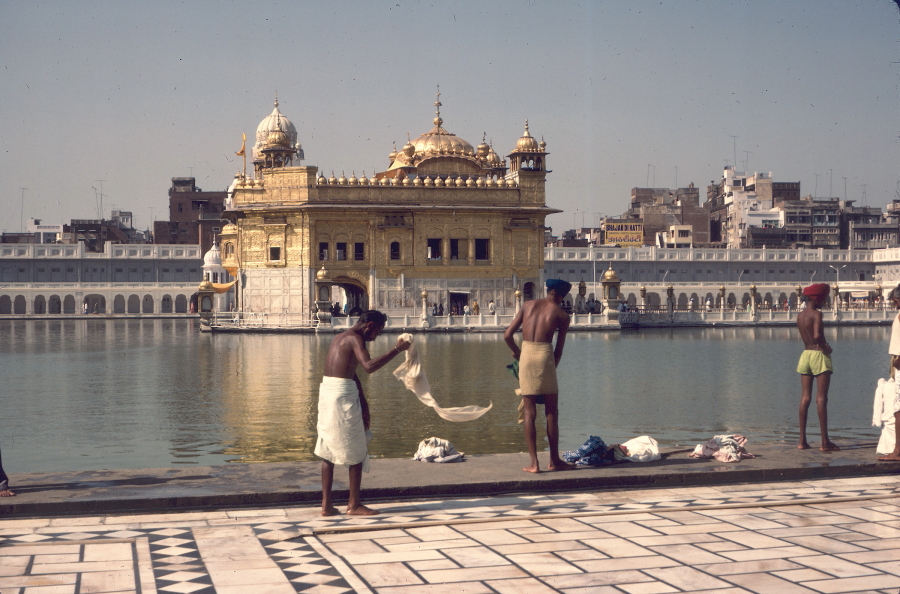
(625, 93)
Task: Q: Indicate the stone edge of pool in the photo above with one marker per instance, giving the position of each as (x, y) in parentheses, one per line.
(286, 483)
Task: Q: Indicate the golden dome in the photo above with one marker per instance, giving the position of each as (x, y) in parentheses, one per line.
(322, 273)
(438, 141)
(483, 148)
(610, 275)
(205, 285)
(527, 143)
(353, 181)
(278, 138)
(229, 228)
(321, 180)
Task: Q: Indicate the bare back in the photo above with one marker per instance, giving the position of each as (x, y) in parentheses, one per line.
(541, 319)
(344, 355)
(809, 323)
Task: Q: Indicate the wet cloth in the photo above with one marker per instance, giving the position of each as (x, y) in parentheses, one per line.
(413, 377)
(537, 369)
(435, 449)
(724, 448)
(342, 436)
(814, 363)
(887, 403)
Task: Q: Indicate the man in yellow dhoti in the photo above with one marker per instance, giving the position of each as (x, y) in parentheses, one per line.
(343, 423)
(540, 319)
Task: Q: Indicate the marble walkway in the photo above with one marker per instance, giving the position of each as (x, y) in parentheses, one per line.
(829, 535)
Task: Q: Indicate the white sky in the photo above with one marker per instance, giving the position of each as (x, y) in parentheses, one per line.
(623, 92)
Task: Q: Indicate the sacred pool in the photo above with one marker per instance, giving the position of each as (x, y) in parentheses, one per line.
(95, 394)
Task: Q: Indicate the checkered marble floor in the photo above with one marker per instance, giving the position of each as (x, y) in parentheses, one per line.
(836, 535)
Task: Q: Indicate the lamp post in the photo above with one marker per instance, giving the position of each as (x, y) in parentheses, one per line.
(837, 285)
(424, 308)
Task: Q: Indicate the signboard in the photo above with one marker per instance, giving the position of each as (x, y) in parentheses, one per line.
(625, 234)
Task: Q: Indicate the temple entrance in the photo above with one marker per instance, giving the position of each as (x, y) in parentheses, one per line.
(352, 299)
(458, 302)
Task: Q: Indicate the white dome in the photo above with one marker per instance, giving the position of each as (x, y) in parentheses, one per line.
(275, 123)
(213, 257)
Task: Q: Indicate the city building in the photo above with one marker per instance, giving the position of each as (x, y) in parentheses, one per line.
(195, 216)
(120, 279)
(661, 208)
(446, 222)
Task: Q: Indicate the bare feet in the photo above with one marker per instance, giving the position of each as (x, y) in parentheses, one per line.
(532, 469)
(330, 511)
(829, 447)
(362, 510)
(803, 445)
(560, 465)
(6, 493)
(892, 457)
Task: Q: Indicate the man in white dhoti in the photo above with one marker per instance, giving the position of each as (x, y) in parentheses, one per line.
(894, 402)
(540, 319)
(343, 423)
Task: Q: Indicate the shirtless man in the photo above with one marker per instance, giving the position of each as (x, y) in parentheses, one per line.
(540, 319)
(343, 410)
(815, 364)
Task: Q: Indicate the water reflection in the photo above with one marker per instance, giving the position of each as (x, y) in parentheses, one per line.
(153, 393)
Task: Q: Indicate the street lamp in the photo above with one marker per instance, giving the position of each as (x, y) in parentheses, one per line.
(837, 272)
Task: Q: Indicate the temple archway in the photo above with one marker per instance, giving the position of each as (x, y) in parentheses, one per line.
(356, 294)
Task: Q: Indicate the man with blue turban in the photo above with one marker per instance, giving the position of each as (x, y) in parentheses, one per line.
(539, 320)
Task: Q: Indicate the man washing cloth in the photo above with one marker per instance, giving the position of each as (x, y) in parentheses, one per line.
(343, 423)
(539, 320)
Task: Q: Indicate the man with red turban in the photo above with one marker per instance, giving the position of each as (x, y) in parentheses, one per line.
(815, 364)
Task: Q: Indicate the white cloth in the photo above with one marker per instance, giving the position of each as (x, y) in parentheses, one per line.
(641, 449)
(887, 402)
(894, 347)
(342, 436)
(724, 448)
(435, 449)
(413, 377)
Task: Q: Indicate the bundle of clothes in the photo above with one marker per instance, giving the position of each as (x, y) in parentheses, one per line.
(724, 448)
(595, 452)
(435, 449)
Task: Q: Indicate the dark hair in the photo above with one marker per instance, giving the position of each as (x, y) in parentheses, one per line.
(374, 316)
(895, 293)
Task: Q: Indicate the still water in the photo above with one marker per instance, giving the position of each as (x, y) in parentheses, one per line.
(82, 395)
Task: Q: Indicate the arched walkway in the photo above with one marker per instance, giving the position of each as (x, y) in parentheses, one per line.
(5, 304)
(40, 305)
(95, 303)
(166, 304)
(355, 293)
(54, 306)
(19, 304)
(134, 304)
(69, 304)
(119, 304)
(180, 304)
(147, 304)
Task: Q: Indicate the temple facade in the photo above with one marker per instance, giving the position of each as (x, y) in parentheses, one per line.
(445, 217)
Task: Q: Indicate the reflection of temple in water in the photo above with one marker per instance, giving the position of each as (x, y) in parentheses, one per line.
(445, 217)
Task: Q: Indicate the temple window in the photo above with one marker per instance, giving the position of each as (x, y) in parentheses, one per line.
(395, 250)
(434, 249)
(359, 251)
(340, 251)
(274, 253)
(323, 250)
(482, 249)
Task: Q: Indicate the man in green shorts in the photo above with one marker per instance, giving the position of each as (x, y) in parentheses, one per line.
(815, 364)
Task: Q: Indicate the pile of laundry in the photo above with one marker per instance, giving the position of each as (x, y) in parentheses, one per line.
(435, 449)
(595, 452)
(724, 448)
